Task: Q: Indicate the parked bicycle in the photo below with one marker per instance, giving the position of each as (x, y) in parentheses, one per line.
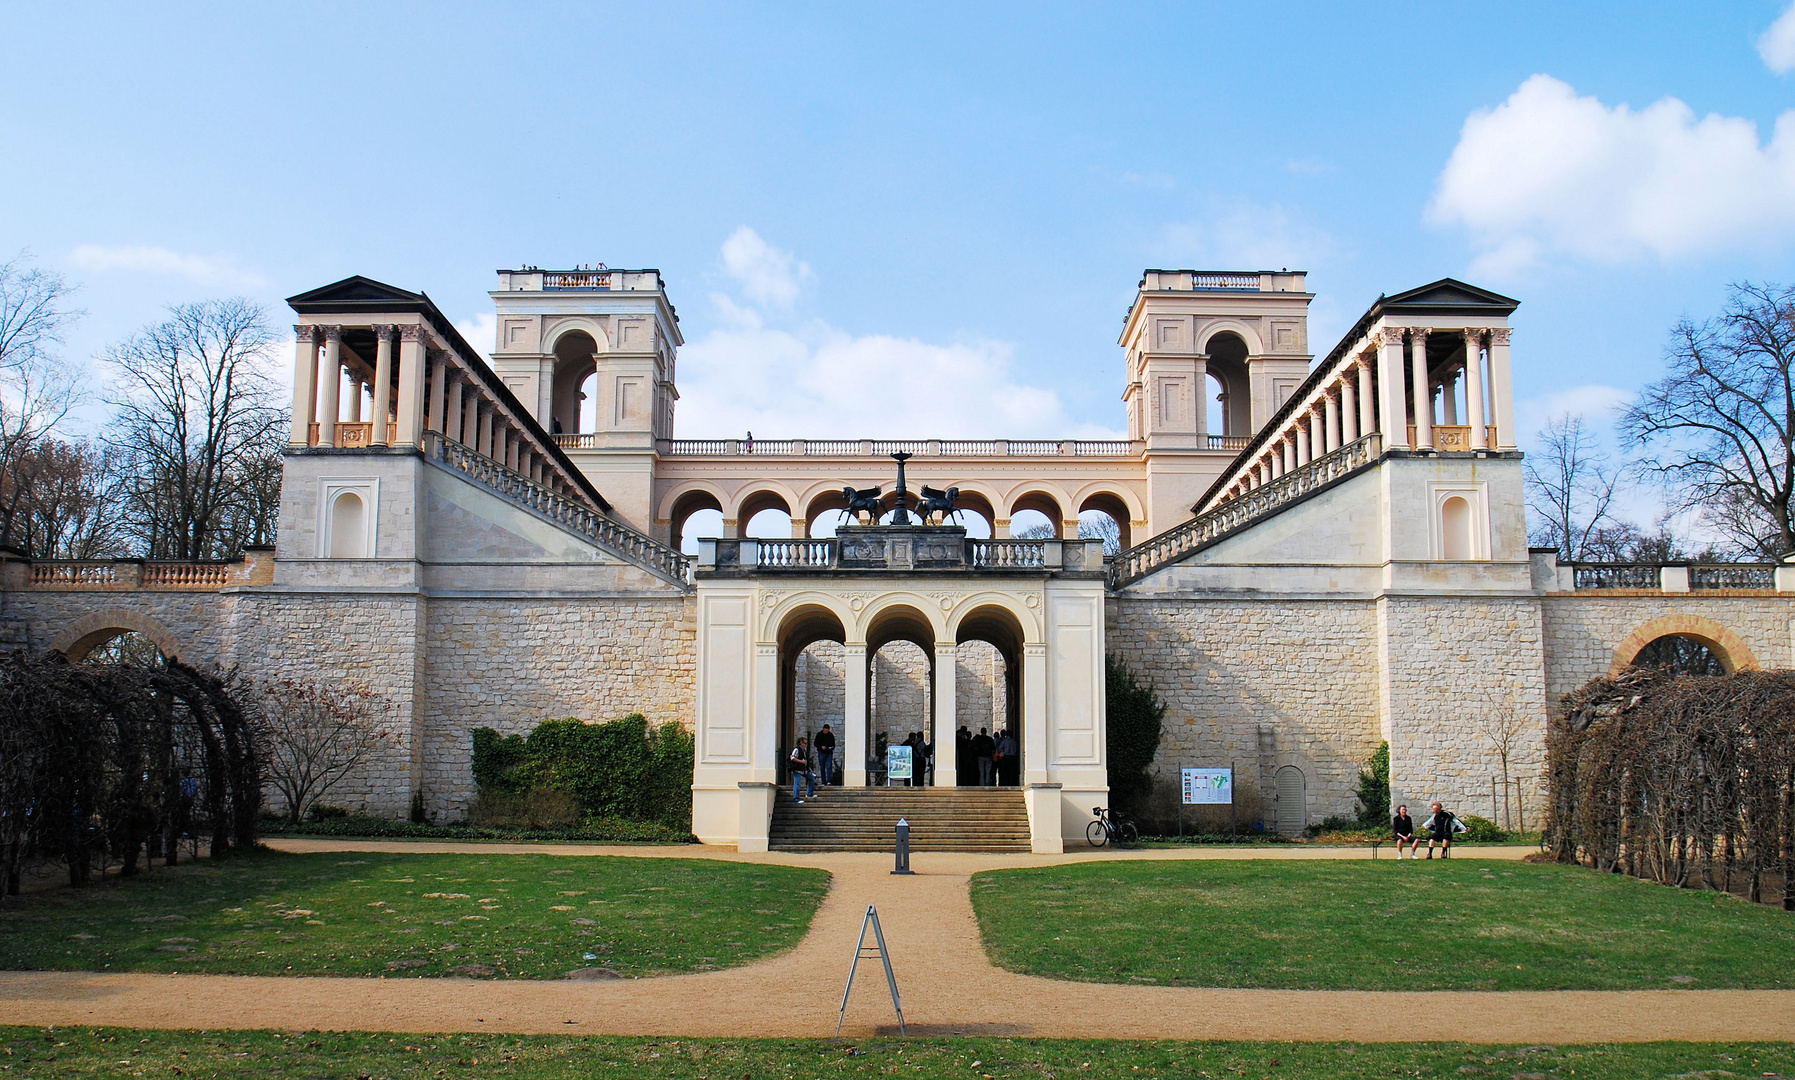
(1108, 828)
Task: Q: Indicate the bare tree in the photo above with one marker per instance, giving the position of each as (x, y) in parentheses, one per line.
(197, 422)
(1503, 729)
(1101, 527)
(1720, 423)
(1570, 488)
(314, 735)
(63, 502)
(37, 387)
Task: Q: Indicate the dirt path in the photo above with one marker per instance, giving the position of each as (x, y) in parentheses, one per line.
(948, 987)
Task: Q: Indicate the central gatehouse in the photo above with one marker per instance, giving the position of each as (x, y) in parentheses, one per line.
(763, 603)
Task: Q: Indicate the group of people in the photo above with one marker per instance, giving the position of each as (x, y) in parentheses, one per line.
(980, 760)
(807, 763)
(983, 761)
(1441, 827)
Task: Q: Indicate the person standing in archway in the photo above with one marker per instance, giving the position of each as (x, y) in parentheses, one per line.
(799, 766)
(963, 758)
(825, 755)
(983, 748)
(1009, 765)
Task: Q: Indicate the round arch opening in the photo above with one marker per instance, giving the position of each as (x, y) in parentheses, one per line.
(573, 392)
(988, 736)
(1683, 654)
(1228, 390)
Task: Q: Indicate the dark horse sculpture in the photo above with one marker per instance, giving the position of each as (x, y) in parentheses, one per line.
(864, 501)
(935, 501)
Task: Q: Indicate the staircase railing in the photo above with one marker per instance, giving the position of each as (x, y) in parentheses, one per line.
(1201, 531)
(519, 490)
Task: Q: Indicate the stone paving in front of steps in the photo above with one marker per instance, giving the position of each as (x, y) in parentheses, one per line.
(948, 986)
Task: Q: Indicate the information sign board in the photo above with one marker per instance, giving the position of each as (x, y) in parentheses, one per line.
(1208, 786)
(897, 762)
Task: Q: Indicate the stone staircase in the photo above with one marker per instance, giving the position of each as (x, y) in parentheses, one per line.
(941, 819)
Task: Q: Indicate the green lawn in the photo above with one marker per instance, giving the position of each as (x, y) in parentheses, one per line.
(109, 1052)
(498, 916)
(1462, 924)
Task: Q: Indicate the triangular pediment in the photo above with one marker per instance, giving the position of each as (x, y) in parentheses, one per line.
(356, 290)
(1450, 292)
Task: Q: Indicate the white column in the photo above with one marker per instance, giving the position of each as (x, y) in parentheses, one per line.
(853, 718)
(1034, 714)
(1301, 433)
(305, 384)
(1349, 409)
(1449, 399)
(1393, 419)
(452, 406)
(1424, 404)
(947, 661)
(330, 385)
(1367, 404)
(1474, 411)
(1332, 422)
(438, 370)
(470, 422)
(383, 384)
(1502, 402)
(355, 385)
(411, 385)
(483, 433)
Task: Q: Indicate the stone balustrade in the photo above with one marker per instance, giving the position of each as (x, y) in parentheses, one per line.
(898, 547)
(1207, 528)
(1028, 448)
(254, 567)
(1550, 575)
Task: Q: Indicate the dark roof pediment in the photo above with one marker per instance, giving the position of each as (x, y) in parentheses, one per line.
(355, 291)
(1450, 293)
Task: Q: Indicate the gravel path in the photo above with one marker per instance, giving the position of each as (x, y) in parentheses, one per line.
(948, 986)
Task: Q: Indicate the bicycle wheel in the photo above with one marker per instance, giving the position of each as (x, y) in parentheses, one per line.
(1096, 834)
(1128, 834)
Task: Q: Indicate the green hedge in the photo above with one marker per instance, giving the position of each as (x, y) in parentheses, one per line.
(601, 829)
(622, 770)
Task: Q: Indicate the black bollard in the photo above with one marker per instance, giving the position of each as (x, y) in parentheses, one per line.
(903, 847)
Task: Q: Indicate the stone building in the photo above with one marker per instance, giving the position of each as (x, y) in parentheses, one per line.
(1338, 560)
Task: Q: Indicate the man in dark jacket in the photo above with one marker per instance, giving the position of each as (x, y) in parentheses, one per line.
(825, 754)
(983, 747)
(1440, 828)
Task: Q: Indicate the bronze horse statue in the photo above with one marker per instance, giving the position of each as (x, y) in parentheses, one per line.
(935, 501)
(864, 501)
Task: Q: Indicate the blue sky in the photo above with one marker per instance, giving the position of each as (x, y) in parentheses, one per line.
(917, 219)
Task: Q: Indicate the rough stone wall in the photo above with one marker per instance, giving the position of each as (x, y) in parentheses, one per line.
(899, 692)
(981, 695)
(509, 664)
(821, 689)
(368, 639)
(1261, 684)
(201, 624)
(1583, 630)
(1458, 671)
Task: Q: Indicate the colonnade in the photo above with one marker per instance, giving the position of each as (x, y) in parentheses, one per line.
(1384, 384)
(415, 384)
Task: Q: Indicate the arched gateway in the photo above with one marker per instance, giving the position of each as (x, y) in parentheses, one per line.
(762, 603)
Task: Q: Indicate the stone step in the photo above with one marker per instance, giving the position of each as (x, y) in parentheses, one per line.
(941, 819)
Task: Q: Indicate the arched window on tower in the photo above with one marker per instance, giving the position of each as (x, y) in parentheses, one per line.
(1455, 529)
(348, 527)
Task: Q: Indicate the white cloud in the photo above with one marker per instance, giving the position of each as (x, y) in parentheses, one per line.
(1777, 45)
(481, 331)
(810, 380)
(767, 275)
(1549, 172)
(1245, 238)
(216, 270)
